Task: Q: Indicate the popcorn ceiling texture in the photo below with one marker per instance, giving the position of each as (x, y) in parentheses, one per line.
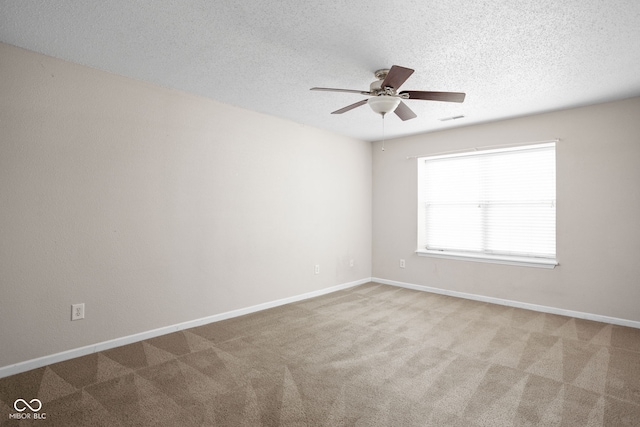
(511, 58)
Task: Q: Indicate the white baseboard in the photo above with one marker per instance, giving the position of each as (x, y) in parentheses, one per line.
(28, 365)
(510, 303)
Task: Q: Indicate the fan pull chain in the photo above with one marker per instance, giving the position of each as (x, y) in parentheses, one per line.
(383, 132)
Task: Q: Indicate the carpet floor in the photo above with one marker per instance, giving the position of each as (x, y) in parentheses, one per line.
(372, 355)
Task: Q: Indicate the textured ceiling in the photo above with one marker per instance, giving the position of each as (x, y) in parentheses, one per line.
(511, 57)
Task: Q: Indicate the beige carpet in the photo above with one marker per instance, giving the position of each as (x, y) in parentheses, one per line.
(373, 355)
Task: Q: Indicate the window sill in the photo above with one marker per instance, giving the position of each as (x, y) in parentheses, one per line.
(493, 259)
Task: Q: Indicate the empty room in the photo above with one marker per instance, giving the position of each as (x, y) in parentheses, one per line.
(355, 213)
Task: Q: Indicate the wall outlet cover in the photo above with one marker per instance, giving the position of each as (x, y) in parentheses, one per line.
(77, 311)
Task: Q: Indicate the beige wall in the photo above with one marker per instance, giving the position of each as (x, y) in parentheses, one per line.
(155, 207)
(598, 212)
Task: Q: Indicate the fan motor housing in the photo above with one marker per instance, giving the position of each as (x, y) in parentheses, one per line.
(376, 88)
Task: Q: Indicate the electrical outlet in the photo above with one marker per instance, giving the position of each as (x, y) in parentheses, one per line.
(402, 263)
(317, 269)
(77, 311)
(350, 263)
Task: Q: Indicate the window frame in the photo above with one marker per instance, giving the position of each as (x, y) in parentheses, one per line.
(480, 256)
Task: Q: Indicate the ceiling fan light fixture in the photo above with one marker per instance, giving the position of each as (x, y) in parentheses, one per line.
(386, 98)
(383, 104)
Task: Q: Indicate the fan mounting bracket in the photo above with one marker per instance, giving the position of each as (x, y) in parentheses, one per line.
(381, 74)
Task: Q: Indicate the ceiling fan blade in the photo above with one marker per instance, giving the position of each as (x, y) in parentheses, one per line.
(397, 75)
(435, 96)
(404, 112)
(329, 89)
(350, 107)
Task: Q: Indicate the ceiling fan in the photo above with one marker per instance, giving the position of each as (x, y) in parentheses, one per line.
(386, 98)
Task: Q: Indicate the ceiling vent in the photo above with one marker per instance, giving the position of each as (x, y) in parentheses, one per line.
(446, 119)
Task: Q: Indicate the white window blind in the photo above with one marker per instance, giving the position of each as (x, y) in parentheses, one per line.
(489, 203)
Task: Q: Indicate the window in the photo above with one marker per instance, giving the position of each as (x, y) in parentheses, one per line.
(492, 205)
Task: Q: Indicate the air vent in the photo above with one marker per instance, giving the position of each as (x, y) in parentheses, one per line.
(446, 119)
